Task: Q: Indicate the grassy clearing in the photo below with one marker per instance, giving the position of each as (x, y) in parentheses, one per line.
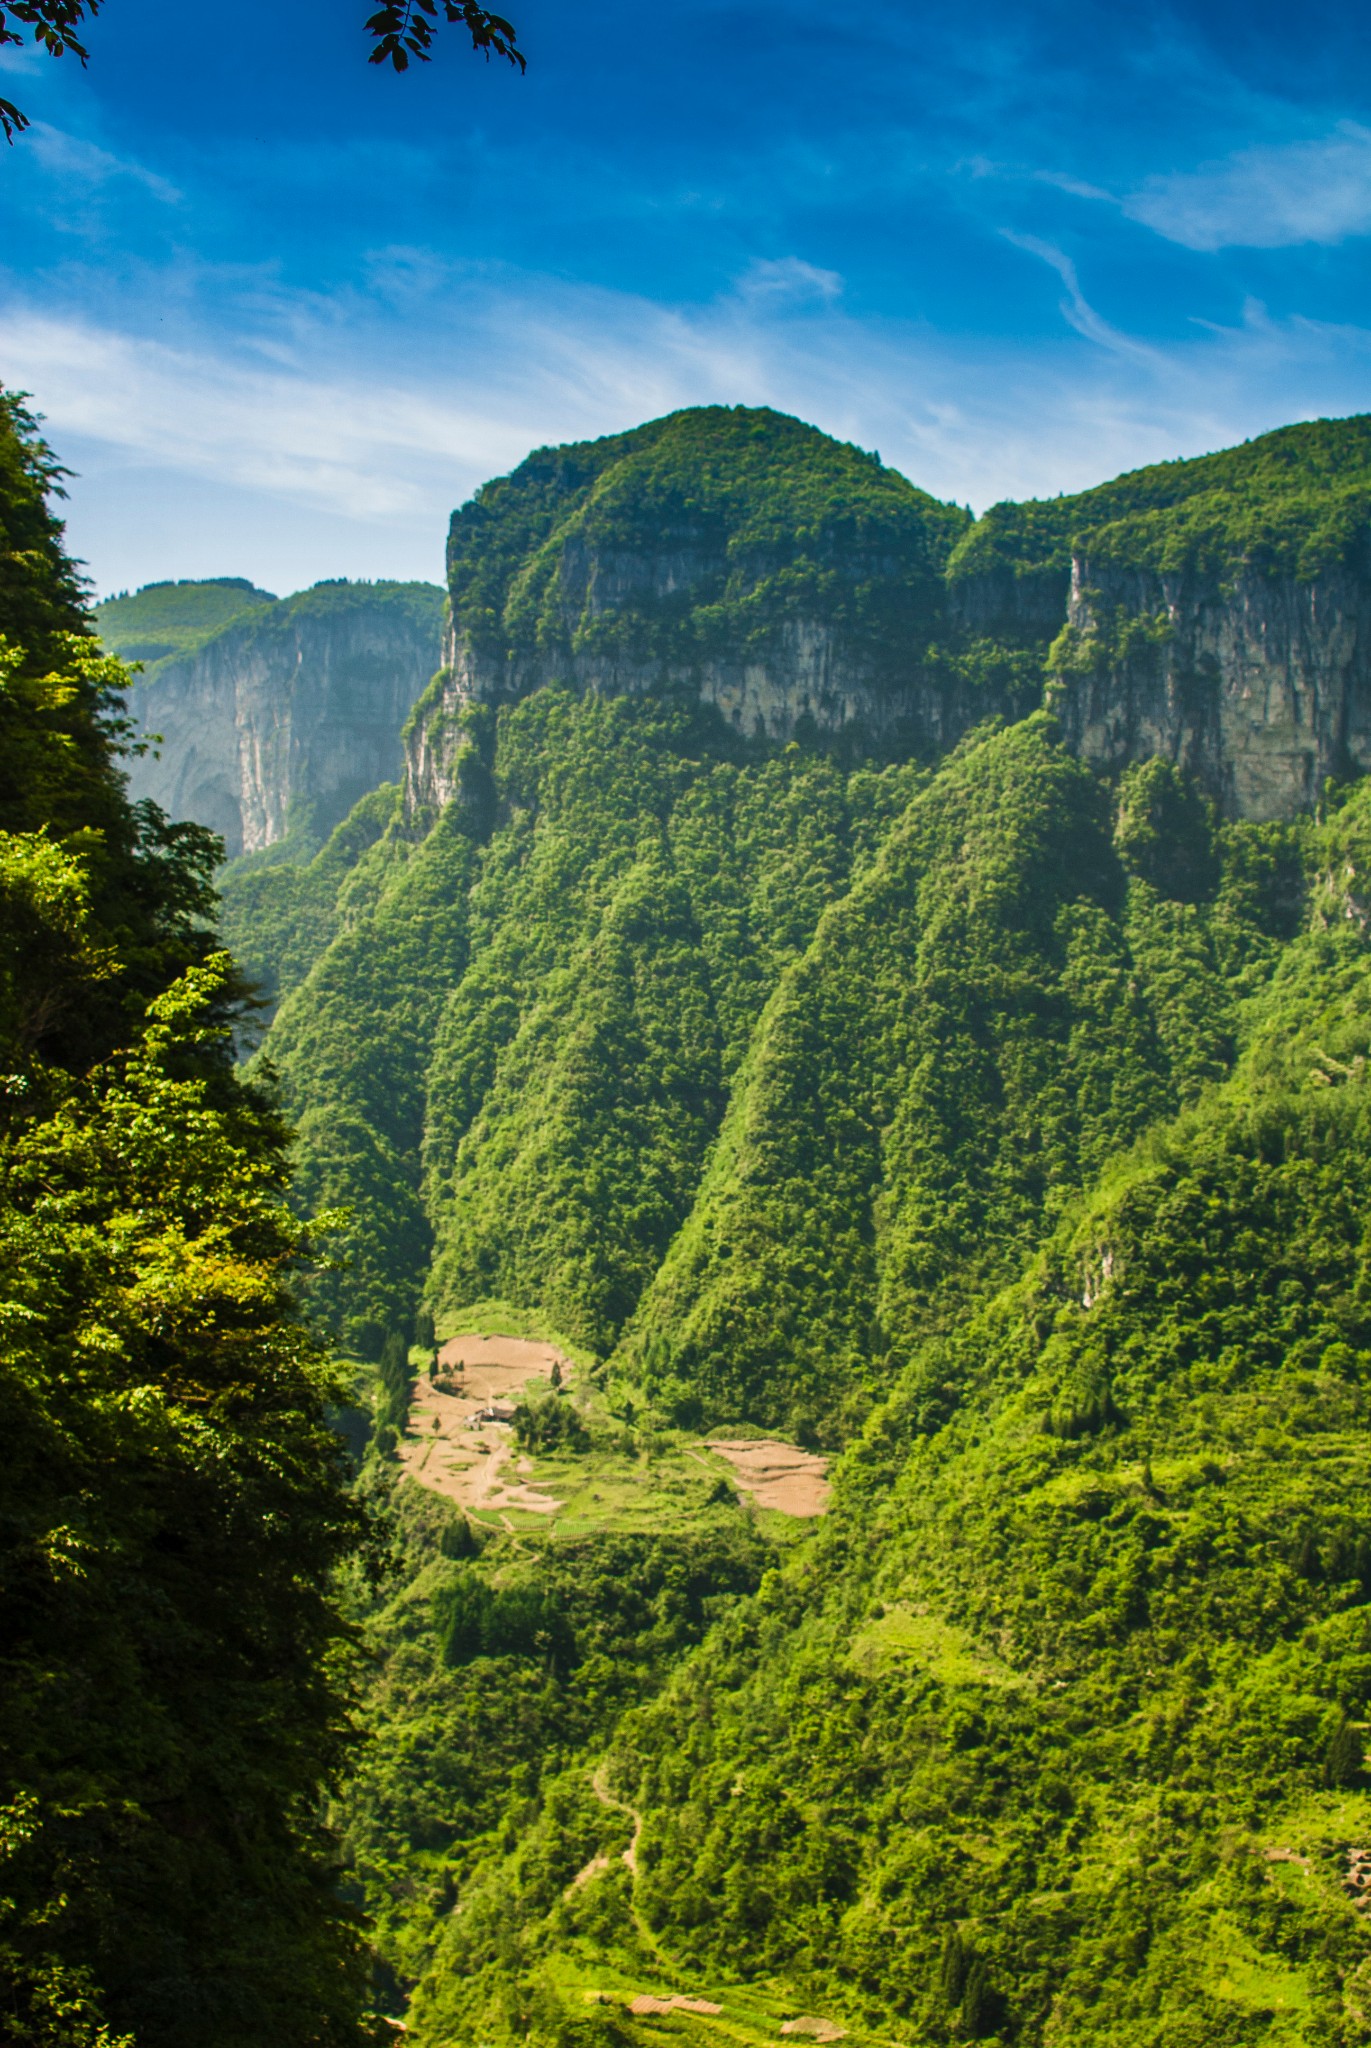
(947, 1653)
(634, 1476)
(631, 1487)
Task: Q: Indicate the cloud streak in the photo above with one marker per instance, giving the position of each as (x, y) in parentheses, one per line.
(75, 161)
(342, 437)
(1079, 313)
(1271, 197)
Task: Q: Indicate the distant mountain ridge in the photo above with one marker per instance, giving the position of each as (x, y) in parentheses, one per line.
(275, 716)
(160, 621)
(1215, 611)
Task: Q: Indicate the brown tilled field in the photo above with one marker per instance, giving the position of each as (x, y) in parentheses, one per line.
(777, 1475)
(447, 1450)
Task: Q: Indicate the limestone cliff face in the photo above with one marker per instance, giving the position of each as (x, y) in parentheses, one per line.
(1216, 611)
(1260, 686)
(608, 629)
(287, 718)
(807, 677)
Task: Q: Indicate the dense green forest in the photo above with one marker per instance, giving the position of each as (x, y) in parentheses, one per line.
(1296, 501)
(174, 1696)
(1051, 1732)
(912, 1092)
(1054, 1732)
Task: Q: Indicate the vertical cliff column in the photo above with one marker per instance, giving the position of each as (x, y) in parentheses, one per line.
(1260, 686)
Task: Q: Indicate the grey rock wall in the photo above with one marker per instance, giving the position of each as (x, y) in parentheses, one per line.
(1261, 688)
(806, 677)
(287, 718)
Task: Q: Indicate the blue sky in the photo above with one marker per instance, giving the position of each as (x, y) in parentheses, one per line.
(284, 310)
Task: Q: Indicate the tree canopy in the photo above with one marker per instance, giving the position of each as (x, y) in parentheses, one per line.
(173, 1509)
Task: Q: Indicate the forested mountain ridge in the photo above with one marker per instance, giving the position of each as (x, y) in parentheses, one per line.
(629, 620)
(783, 577)
(795, 582)
(162, 622)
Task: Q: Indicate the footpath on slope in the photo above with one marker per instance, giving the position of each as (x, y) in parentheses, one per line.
(666, 2004)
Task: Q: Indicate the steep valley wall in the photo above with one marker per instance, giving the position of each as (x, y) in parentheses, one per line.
(1259, 687)
(286, 719)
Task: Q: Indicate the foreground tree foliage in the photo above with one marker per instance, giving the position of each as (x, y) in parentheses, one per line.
(171, 1502)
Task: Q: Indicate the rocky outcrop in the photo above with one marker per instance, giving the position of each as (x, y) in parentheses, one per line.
(807, 679)
(285, 719)
(1261, 686)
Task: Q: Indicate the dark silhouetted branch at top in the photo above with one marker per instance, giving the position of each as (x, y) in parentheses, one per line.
(400, 29)
(404, 29)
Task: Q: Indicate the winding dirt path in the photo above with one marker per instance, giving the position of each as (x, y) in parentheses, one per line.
(606, 1798)
(601, 1861)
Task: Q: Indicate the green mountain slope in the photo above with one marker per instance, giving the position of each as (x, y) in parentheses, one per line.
(1053, 1733)
(165, 619)
(406, 1044)
(925, 1092)
(993, 1047)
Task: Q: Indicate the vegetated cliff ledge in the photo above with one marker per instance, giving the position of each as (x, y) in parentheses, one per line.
(1214, 611)
(280, 722)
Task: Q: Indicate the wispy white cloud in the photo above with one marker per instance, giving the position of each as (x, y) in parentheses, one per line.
(1268, 197)
(351, 443)
(22, 57)
(1077, 187)
(344, 448)
(1077, 309)
(788, 280)
(74, 160)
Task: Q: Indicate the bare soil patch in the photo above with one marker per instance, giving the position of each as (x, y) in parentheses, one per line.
(815, 2029)
(777, 1475)
(678, 2002)
(451, 1447)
